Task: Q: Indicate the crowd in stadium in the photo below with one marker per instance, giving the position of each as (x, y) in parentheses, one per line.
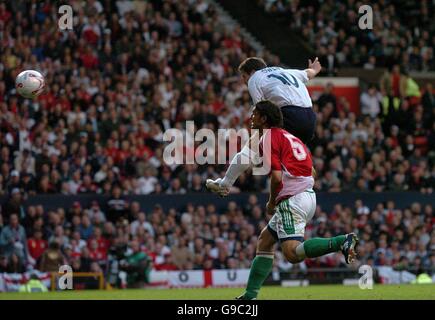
(118, 235)
(129, 71)
(119, 79)
(403, 32)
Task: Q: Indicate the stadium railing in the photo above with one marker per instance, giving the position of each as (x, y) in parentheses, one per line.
(147, 202)
(82, 280)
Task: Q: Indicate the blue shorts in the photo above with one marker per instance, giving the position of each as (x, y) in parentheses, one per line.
(300, 122)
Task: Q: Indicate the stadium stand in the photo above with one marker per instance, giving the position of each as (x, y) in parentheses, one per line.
(129, 71)
(101, 122)
(202, 237)
(403, 32)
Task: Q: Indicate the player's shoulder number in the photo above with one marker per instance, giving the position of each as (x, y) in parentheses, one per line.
(297, 147)
(285, 79)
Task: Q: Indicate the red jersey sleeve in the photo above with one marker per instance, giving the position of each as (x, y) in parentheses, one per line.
(270, 149)
(276, 151)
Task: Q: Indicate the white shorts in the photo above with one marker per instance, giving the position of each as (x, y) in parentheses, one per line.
(292, 215)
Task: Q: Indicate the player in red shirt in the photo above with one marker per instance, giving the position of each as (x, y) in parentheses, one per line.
(292, 201)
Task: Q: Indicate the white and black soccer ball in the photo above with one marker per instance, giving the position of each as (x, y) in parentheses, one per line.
(30, 84)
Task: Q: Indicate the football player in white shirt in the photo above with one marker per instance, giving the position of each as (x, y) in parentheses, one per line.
(287, 89)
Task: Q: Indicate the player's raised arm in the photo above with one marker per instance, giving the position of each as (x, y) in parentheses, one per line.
(313, 68)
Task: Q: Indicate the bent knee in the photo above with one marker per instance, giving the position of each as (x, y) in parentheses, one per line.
(294, 260)
(292, 257)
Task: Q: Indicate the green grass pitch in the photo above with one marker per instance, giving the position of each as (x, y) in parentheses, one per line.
(313, 292)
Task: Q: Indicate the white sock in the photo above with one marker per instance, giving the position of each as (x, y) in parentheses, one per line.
(241, 162)
(300, 251)
(265, 254)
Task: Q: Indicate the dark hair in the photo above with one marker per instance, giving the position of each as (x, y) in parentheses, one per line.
(252, 64)
(54, 245)
(271, 111)
(34, 276)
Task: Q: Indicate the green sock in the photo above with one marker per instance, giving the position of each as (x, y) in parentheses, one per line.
(317, 247)
(260, 269)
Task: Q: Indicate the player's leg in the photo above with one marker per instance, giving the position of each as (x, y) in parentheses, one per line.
(241, 162)
(262, 264)
(297, 211)
(318, 247)
(289, 251)
(293, 214)
(296, 251)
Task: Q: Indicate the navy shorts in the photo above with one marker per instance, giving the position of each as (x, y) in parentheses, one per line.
(300, 122)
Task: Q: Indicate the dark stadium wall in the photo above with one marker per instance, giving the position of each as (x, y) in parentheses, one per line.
(147, 202)
(275, 36)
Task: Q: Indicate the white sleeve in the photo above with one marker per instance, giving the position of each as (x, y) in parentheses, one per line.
(255, 91)
(299, 74)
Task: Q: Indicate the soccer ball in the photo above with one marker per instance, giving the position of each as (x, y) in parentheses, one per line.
(30, 84)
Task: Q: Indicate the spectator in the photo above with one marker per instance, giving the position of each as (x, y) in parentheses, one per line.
(14, 182)
(102, 243)
(13, 240)
(37, 245)
(14, 205)
(175, 187)
(371, 102)
(33, 285)
(167, 264)
(95, 213)
(327, 97)
(428, 100)
(117, 206)
(137, 265)
(209, 238)
(330, 29)
(3, 263)
(85, 140)
(52, 258)
(25, 163)
(146, 183)
(86, 228)
(16, 265)
(141, 223)
(99, 127)
(27, 185)
(96, 253)
(181, 255)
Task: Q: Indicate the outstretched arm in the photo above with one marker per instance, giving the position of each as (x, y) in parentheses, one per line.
(313, 68)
